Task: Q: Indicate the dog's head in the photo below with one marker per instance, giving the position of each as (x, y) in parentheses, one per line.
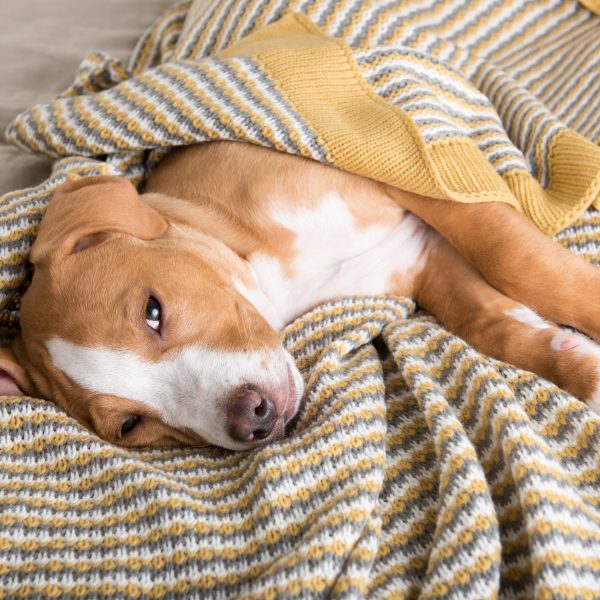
(137, 330)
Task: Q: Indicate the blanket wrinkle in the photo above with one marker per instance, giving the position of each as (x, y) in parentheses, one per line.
(417, 468)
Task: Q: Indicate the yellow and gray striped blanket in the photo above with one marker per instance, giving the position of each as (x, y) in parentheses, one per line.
(418, 468)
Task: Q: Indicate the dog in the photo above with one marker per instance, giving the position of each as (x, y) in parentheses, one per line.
(153, 319)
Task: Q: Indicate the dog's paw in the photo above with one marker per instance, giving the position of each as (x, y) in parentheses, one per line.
(581, 356)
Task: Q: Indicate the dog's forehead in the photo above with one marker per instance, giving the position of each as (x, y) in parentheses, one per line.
(114, 268)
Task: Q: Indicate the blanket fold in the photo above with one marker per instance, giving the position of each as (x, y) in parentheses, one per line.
(418, 467)
(393, 113)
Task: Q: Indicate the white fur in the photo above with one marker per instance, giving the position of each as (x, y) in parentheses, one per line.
(586, 347)
(188, 391)
(528, 317)
(259, 300)
(582, 345)
(333, 257)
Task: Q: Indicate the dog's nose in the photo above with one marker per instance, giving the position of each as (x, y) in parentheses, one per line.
(251, 415)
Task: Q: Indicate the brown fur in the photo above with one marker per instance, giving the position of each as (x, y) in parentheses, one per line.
(205, 203)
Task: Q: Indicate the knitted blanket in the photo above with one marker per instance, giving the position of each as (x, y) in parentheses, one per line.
(418, 468)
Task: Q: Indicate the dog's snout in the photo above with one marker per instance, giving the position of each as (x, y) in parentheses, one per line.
(251, 415)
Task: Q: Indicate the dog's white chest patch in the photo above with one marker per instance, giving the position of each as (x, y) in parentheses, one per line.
(334, 257)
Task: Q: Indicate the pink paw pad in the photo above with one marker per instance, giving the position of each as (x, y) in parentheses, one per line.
(568, 344)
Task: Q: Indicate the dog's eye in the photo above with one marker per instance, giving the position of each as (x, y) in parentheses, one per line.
(129, 424)
(153, 313)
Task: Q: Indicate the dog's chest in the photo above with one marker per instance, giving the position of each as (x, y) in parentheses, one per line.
(336, 253)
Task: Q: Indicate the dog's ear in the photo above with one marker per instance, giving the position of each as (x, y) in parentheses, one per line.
(13, 378)
(83, 208)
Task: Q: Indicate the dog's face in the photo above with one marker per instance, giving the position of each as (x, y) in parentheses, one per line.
(136, 328)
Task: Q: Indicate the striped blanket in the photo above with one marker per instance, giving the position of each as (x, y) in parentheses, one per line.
(418, 468)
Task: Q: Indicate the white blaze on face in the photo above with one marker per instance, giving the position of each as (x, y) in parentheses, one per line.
(188, 391)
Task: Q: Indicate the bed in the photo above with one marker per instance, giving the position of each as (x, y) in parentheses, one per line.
(418, 467)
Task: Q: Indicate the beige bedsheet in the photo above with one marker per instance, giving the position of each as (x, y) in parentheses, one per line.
(41, 45)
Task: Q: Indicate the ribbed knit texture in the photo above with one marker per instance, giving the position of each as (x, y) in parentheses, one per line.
(418, 467)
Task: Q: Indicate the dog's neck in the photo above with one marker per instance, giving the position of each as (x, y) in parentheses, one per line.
(238, 233)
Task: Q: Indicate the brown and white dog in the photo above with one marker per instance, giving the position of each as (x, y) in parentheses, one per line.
(154, 319)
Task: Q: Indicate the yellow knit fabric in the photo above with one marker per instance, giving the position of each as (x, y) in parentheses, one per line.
(318, 75)
(417, 468)
(329, 88)
(593, 5)
(468, 102)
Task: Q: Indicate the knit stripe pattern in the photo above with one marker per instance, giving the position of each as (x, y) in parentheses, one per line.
(417, 467)
(446, 98)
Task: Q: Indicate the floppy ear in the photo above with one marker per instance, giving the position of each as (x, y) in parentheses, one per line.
(91, 205)
(13, 378)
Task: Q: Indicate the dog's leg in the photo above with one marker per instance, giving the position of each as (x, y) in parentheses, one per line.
(516, 258)
(455, 292)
